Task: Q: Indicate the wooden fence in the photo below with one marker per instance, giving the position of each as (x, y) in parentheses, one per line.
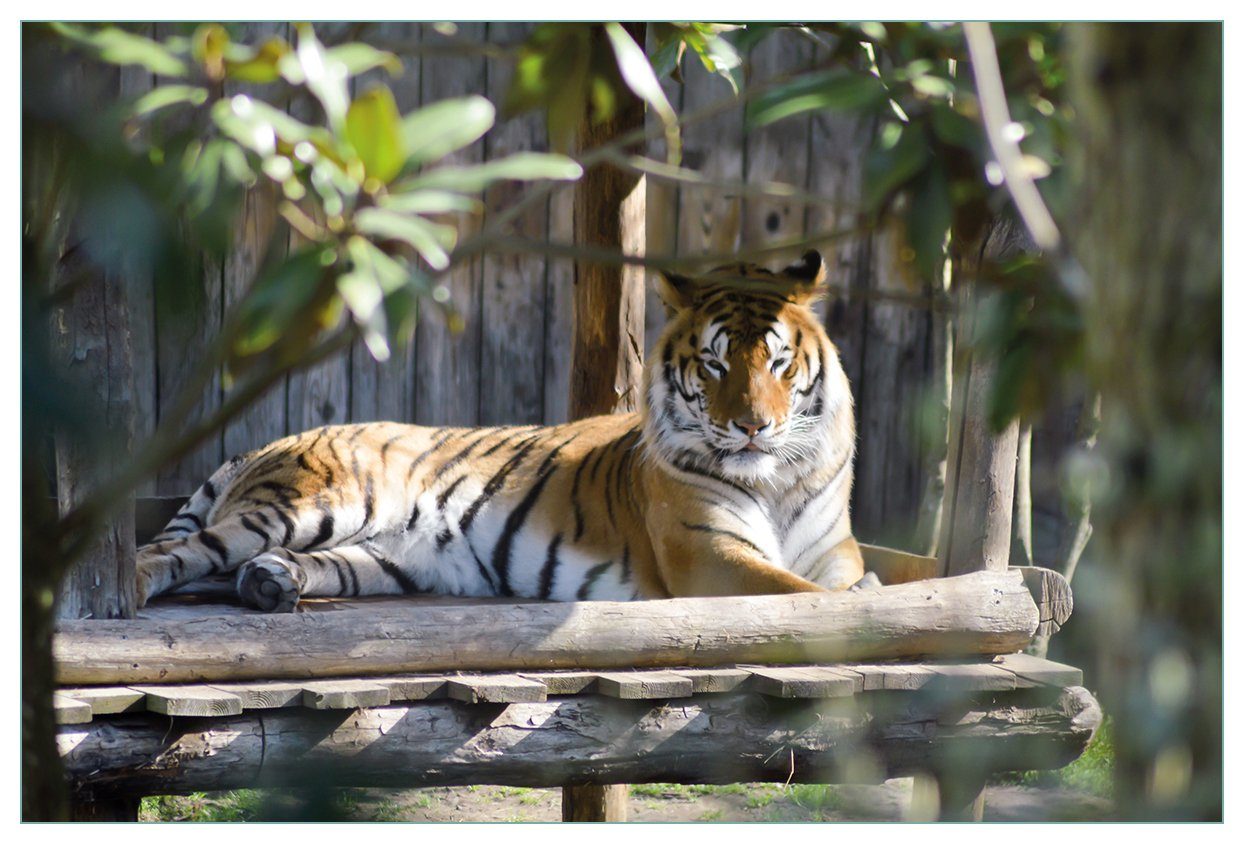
(511, 362)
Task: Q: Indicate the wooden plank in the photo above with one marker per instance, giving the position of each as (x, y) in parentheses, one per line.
(139, 285)
(495, 688)
(559, 312)
(190, 700)
(259, 236)
(893, 566)
(1040, 671)
(513, 286)
(413, 687)
(70, 711)
(709, 219)
(661, 208)
(107, 700)
(802, 682)
(643, 685)
(986, 612)
(187, 315)
(970, 677)
(714, 680)
(447, 374)
(264, 695)
(385, 391)
(344, 694)
(564, 682)
(778, 152)
(888, 481)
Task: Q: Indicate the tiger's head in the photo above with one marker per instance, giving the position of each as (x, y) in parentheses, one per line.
(744, 379)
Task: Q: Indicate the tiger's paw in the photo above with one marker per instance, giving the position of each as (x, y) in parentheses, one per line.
(868, 581)
(268, 583)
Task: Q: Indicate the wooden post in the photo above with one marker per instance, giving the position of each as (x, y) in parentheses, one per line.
(607, 355)
(980, 482)
(609, 210)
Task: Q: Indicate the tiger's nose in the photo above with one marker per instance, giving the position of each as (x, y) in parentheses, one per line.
(751, 426)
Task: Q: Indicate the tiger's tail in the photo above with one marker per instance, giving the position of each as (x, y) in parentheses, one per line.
(193, 515)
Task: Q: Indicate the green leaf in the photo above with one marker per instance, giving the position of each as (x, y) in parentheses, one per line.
(257, 65)
(169, 95)
(522, 166)
(640, 78)
(436, 130)
(429, 239)
(953, 128)
(280, 295)
(430, 202)
(838, 90)
(929, 218)
(256, 125)
(888, 168)
(325, 77)
(374, 129)
(359, 58)
(119, 47)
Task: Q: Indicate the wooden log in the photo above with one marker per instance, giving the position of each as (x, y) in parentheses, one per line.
(594, 803)
(982, 613)
(713, 739)
(1053, 595)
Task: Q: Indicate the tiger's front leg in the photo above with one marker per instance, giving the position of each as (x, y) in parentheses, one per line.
(277, 580)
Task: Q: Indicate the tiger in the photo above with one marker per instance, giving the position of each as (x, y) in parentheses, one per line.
(733, 478)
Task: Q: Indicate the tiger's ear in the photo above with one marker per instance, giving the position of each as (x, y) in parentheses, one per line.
(677, 292)
(809, 274)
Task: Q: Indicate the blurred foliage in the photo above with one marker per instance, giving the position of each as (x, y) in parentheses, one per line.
(358, 182)
(931, 167)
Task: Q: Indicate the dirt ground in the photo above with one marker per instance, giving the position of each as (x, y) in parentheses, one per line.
(648, 803)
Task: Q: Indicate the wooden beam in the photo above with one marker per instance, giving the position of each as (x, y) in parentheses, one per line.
(594, 803)
(737, 737)
(982, 613)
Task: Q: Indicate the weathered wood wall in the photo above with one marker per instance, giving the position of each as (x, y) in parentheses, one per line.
(510, 364)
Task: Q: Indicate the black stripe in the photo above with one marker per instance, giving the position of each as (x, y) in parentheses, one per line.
(549, 568)
(513, 522)
(208, 490)
(731, 534)
(574, 497)
(325, 532)
(447, 492)
(437, 442)
(414, 517)
(393, 570)
(213, 544)
(593, 574)
(494, 484)
(286, 521)
(254, 528)
(198, 523)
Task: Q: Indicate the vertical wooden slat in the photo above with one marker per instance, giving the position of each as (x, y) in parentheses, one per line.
(447, 370)
(319, 395)
(895, 373)
(776, 153)
(385, 391)
(594, 803)
(140, 295)
(709, 220)
(559, 312)
(661, 209)
(258, 237)
(513, 286)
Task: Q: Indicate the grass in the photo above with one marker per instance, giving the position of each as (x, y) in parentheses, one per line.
(1092, 773)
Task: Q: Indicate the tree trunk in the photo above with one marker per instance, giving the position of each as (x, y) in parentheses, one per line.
(606, 373)
(1148, 232)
